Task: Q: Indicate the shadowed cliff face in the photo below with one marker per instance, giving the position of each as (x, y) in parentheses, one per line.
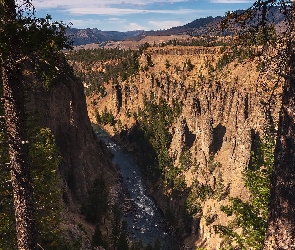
(222, 111)
(62, 108)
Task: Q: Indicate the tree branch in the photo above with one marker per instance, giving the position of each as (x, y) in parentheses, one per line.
(6, 166)
(288, 76)
(5, 98)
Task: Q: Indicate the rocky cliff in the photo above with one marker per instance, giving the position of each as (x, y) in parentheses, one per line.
(226, 107)
(62, 108)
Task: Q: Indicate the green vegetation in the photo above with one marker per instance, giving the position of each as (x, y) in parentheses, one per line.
(205, 41)
(112, 65)
(139, 246)
(153, 138)
(251, 215)
(185, 159)
(97, 204)
(27, 43)
(236, 53)
(105, 118)
(123, 241)
(188, 65)
(98, 239)
(46, 183)
(44, 161)
(167, 64)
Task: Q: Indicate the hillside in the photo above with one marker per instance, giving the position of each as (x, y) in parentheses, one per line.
(87, 36)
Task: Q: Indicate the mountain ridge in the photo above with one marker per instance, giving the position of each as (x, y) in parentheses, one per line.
(94, 35)
(199, 27)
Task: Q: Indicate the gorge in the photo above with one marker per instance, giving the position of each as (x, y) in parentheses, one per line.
(190, 116)
(210, 111)
(193, 145)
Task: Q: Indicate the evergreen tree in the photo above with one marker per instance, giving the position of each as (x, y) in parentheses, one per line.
(98, 239)
(116, 225)
(251, 216)
(96, 205)
(123, 241)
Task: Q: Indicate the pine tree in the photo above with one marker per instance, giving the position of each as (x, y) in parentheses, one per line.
(123, 241)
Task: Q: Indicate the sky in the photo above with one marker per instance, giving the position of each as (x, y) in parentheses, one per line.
(127, 15)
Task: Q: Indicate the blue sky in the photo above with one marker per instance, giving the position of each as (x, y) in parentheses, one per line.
(125, 15)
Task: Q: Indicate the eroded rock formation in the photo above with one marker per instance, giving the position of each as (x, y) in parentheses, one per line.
(224, 111)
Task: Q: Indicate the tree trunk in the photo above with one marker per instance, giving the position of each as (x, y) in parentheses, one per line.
(19, 163)
(280, 232)
(14, 107)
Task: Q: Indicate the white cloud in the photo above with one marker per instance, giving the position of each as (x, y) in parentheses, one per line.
(134, 26)
(231, 1)
(156, 25)
(85, 23)
(108, 7)
(153, 25)
(52, 4)
(101, 11)
(120, 12)
(116, 20)
(124, 14)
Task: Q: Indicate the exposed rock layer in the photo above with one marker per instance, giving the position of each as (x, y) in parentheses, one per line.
(224, 112)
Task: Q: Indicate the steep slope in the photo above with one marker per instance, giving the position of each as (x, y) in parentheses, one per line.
(226, 107)
(62, 108)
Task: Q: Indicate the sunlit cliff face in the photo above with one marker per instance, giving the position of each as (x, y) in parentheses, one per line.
(223, 113)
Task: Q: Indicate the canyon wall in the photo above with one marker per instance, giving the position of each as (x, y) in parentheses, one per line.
(62, 108)
(225, 109)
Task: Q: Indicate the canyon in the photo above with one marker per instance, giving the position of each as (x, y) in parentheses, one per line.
(225, 109)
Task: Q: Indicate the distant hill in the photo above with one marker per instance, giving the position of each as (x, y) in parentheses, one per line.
(87, 36)
(200, 26)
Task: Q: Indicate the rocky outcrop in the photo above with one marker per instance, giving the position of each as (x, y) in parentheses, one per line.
(62, 108)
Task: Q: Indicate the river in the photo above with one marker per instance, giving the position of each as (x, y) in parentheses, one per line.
(145, 221)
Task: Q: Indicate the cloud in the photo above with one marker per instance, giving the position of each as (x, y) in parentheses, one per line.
(53, 4)
(152, 25)
(156, 25)
(85, 23)
(121, 12)
(134, 26)
(109, 7)
(231, 1)
(102, 11)
(131, 14)
(115, 20)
